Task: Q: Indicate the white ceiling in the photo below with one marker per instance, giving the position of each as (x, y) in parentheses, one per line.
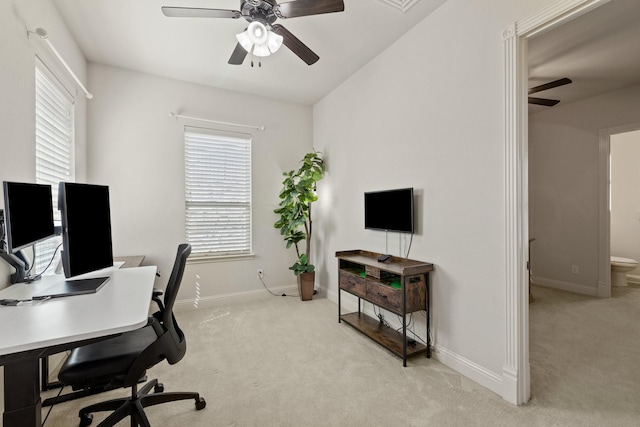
(135, 35)
(599, 51)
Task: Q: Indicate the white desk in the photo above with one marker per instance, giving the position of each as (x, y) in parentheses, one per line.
(30, 332)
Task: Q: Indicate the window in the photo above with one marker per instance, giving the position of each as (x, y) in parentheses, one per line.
(54, 149)
(217, 192)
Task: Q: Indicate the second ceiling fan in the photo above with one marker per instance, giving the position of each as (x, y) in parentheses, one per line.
(544, 101)
(263, 37)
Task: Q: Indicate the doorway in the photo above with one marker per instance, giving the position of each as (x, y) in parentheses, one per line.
(516, 370)
(607, 225)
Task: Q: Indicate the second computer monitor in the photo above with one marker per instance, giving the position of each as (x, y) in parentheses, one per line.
(86, 228)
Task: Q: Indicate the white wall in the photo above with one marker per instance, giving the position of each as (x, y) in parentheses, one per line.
(563, 186)
(17, 87)
(427, 113)
(17, 92)
(138, 150)
(625, 196)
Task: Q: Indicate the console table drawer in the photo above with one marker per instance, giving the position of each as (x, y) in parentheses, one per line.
(384, 296)
(353, 283)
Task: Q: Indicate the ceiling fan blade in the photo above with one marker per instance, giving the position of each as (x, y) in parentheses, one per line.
(550, 85)
(542, 101)
(295, 45)
(196, 12)
(238, 55)
(296, 8)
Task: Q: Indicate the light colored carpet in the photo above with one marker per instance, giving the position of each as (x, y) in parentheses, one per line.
(277, 361)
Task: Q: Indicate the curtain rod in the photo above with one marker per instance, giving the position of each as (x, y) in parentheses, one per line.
(44, 36)
(179, 116)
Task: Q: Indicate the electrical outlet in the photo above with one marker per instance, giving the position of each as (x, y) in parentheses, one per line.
(575, 269)
(260, 273)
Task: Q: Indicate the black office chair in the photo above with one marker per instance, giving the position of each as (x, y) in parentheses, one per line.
(121, 361)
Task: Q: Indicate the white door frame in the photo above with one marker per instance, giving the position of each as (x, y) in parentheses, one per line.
(604, 216)
(515, 372)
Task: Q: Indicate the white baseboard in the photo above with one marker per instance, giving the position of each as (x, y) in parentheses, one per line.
(464, 366)
(565, 286)
(604, 290)
(632, 278)
(195, 303)
(469, 369)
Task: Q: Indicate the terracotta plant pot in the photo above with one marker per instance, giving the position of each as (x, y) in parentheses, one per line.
(306, 282)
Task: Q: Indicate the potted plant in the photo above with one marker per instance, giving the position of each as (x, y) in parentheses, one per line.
(295, 225)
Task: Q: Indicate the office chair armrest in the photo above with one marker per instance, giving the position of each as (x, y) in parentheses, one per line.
(157, 293)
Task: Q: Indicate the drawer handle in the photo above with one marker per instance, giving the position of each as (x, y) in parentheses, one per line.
(381, 295)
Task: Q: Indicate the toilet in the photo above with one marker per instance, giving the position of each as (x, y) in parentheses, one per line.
(619, 269)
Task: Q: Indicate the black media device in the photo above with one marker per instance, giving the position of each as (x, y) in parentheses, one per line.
(390, 210)
(384, 258)
(86, 228)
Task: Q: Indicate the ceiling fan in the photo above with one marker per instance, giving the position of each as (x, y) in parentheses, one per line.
(546, 86)
(262, 37)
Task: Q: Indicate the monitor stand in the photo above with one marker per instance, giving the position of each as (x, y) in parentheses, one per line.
(19, 263)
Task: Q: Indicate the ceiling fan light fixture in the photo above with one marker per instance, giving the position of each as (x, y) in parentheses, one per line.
(257, 33)
(261, 50)
(245, 42)
(258, 40)
(274, 41)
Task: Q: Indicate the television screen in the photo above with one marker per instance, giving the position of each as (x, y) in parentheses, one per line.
(86, 228)
(390, 210)
(28, 210)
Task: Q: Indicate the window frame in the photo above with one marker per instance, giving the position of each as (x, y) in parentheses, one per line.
(238, 204)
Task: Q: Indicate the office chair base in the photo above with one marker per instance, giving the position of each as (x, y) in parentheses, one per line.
(134, 405)
(89, 392)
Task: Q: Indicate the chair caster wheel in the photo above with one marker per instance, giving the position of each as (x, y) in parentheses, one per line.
(158, 388)
(86, 420)
(200, 403)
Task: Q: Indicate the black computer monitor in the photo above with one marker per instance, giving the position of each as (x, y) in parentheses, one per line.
(28, 211)
(86, 228)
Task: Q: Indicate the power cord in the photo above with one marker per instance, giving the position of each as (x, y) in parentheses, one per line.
(52, 405)
(38, 276)
(16, 302)
(274, 294)
(410, 242)
(380, 316)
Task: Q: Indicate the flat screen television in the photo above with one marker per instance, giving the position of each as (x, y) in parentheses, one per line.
(28, 211)
(86, 228)
(390, 210)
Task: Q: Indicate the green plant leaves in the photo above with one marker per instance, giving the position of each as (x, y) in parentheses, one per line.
(302, 266)
(297, 194)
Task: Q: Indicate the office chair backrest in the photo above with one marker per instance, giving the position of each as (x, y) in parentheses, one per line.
(171, 344)
(170, 294)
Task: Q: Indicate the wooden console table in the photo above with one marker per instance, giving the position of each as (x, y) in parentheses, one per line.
(398, 285)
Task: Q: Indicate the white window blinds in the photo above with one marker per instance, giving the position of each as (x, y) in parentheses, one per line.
(54, 147)
(218, 192)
